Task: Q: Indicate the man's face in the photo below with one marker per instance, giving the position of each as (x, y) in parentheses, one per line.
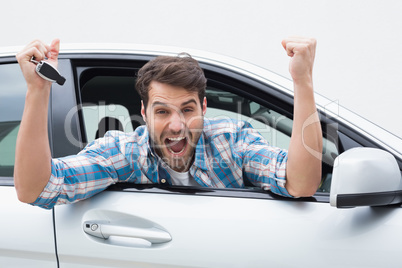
(175, 119)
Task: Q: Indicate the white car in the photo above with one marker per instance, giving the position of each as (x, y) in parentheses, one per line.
(354, 219)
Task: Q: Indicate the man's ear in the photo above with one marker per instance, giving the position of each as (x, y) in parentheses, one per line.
(204, 106)
(143, 112)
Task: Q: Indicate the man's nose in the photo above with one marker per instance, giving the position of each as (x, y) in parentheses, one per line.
(176, 123)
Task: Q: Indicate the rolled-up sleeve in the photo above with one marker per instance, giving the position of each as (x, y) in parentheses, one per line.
(81, 176)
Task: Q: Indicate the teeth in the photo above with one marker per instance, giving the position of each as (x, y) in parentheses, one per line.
(176, 139)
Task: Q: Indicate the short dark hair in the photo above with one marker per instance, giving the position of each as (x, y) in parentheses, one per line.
(181, 71)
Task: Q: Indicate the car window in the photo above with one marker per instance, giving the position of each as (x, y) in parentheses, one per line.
(12, 98)
(109, 101)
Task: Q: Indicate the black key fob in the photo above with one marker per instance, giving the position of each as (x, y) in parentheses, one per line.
(48, 72)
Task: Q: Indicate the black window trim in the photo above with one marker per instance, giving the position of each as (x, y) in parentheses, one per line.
(254, 193)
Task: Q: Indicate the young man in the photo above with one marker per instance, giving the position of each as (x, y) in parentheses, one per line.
(177, 146)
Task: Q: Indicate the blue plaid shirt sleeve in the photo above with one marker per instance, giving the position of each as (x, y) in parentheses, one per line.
(81, 176)
(264, 165)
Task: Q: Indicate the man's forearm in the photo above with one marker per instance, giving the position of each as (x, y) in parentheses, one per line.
(304, 159)
(33, 158)
(32, 154)
(303, 172)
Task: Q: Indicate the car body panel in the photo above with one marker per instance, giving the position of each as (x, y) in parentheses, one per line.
(27, 234)
(229, 232)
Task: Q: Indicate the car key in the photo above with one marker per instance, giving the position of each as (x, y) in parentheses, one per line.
(48, 72)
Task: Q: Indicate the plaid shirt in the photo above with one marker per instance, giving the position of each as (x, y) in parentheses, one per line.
(226, 150)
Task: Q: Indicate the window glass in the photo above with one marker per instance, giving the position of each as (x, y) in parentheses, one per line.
(12, 98)
(100, 118)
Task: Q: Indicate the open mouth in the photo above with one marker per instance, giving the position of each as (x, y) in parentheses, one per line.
(176, 145)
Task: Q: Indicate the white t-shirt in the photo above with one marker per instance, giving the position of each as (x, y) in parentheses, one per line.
(181, 178)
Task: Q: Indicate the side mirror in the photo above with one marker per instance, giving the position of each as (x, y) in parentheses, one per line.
(365, 177)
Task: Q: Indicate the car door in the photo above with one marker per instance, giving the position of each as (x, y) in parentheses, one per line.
(155, 226)
(26, 232)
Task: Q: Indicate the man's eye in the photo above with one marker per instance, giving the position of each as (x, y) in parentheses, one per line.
(187, 110)
(161, 112)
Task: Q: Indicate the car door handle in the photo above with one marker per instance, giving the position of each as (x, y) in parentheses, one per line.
(103, 229)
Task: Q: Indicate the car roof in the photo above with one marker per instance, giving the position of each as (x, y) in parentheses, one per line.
(285, 85)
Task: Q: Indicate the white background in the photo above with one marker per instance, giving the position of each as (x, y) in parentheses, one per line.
(359, 53)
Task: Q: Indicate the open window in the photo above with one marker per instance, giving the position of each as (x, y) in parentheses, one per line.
(108, 93)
